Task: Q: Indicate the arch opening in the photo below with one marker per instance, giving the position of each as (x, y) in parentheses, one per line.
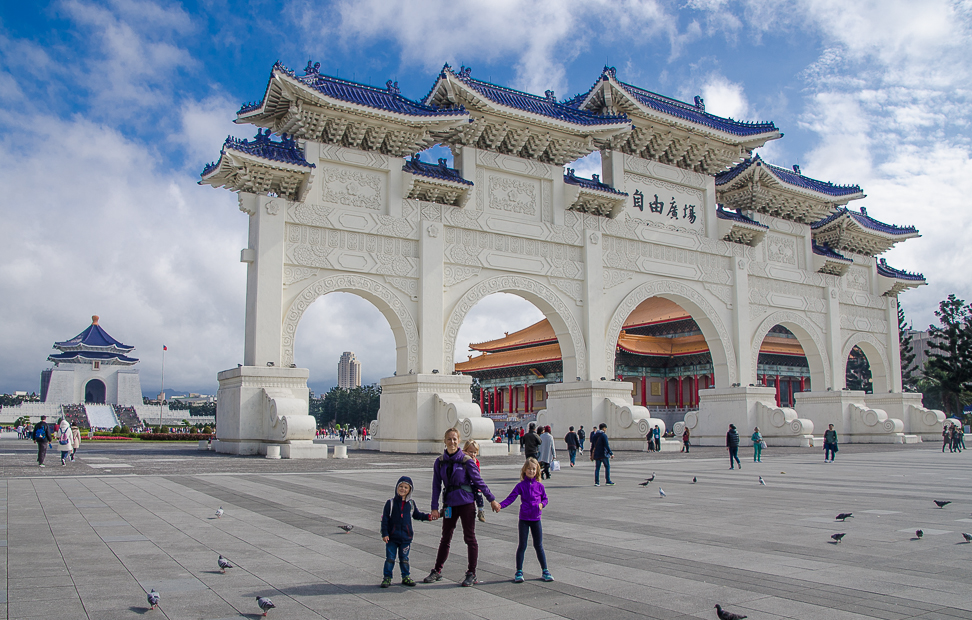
(513, 353)
(95, 391)
(866, 365)
(662, 351)
(782, 363)
(857, 372)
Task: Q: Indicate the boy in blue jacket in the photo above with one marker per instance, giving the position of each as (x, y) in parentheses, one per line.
(396, 530)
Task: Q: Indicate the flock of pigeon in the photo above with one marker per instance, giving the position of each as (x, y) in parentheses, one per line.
(263, 602)
(728, 615)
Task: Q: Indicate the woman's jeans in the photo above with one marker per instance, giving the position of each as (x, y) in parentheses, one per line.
(530, 528)
(400, 549)
(757, 451)
(829, 451)
(607, 470)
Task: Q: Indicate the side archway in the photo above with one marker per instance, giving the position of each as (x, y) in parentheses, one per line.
(573, 350)
(717, 337)
(877, 359)
(402, 324)
(810, 339)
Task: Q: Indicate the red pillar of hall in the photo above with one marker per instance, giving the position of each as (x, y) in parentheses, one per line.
(777, 390)
(666, 391)
(695, 383)
(803, 384)
(680, 400)
(644, 391)
(526, 398)
(482, 405)
(497, 407)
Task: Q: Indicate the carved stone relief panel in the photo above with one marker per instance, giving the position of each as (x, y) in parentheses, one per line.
(780, 249)
(856, 298)
(454, 274)
(515, 165)
(511, 195)
(863, 319)
(353, 188)
(309, 246)
(783, 294)
(654, 258)
(665, 205)
(856, 279)
(658, 170)
(328, 217)
(483, 249)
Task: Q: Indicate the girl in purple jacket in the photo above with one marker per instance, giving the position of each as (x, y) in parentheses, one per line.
(533, 498)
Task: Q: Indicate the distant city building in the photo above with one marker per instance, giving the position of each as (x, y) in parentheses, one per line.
(349, 371)
(921, 346)
(92, 368)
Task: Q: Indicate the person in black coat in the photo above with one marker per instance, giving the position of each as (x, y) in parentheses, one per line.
(601, 454)
(732, 444)
(42, 436)
(531, 443)
(396, 530)
(573, 445)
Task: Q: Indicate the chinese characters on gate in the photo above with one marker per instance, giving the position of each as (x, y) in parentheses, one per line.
(658, 206)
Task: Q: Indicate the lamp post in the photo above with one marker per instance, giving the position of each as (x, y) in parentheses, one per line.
(162, 387)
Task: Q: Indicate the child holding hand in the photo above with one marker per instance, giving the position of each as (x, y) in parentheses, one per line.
(396, 530)
(533, 498)
(471, 448)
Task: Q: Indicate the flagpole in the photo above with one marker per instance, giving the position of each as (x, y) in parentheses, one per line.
(162, 394)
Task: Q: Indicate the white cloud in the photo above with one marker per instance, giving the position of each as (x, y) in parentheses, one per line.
(205, 125)
(493, 317)
(725, 98)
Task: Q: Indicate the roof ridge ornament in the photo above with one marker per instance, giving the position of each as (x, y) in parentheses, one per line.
(700, 103)
(796, 169)
(551, 97)
(314, 69)
(464, 73)
(609, 72)
(393, 87)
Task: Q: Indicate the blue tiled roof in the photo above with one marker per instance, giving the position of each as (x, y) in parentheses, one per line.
(723, 214)
(542, 106)
(96, 337)
(827, 251)
(885, 270)
(440, 171)
(78, 356)
(685, 111)
(286, 150)
(388, 99)
(594, 183)
(789, 177)
(866, 221)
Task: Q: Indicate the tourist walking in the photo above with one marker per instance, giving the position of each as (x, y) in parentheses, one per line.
(830, 443)
(757, 445)
(656, 438)
(396, 530)
(548, 453)
(531, 443)
(732, 444)
(64, 440)
(946, 437)
(511, 434)
(581, 436)
(42, 436)
(572, 445)
(471, 448)
(533, 499)
(601, 454)
(455, 471)
(686, 440)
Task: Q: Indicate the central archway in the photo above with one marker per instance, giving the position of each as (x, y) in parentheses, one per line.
(702, 312)
(94, 392)
(569, 335)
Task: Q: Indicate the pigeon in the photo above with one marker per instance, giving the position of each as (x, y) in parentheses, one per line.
(347, 528)
(265, 604)
(223, 564)
(694, 479)
(761, 481)
(967, 537)
(845, 515)
(661, 492)
(941, 504)
(219, 512)
(153, 598)
(645, 483)
(727, 615)
(652, 478)
(837, 537)
(919, 534)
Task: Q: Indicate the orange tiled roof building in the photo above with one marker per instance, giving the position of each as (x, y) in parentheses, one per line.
(661, 351)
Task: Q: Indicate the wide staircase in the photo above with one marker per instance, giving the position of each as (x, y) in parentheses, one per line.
(101, 416)
(75, 415)
(127, 416)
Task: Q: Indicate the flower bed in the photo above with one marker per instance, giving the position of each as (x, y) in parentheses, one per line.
(108, 437)
(175, 436)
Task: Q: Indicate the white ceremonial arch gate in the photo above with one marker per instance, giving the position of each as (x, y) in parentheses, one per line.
(337, 202)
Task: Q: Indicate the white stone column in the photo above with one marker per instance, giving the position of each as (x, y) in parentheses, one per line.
(742, 330)
(431, 312)
(612, 169)
(711, 219)
(894, 347)
(593, 309)
(833, 352)
(395, 186)
(264, 279)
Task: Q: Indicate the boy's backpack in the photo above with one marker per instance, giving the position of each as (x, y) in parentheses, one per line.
(40, 433)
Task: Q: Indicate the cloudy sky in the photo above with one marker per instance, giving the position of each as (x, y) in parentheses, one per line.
(109, 110)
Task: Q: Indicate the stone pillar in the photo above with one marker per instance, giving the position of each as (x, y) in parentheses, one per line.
(593, 309)
(432, 356)
(644, 391)
(612, 169)
(264, 279)
(741, 329)
(833, 351)
(894, 348)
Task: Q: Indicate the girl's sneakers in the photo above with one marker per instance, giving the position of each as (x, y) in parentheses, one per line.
(386, 582)
(546, 575)
(408, 581)
(518, 577)
(481, 515)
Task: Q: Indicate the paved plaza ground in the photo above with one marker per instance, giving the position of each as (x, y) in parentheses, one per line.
(87, 540)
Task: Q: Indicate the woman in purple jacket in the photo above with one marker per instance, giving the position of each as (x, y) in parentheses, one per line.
(459, 475)
(533, 498)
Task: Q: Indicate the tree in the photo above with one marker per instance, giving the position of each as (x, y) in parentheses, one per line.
(949, 367)
(907, 353)
(858, 372)
(357, 406)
